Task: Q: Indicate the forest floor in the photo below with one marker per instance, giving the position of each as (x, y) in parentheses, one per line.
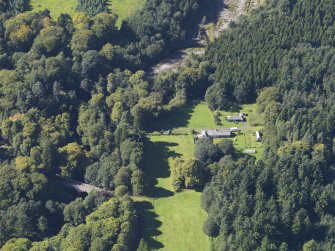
(173, 221)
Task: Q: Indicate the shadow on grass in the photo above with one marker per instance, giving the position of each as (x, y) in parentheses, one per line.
(234, 108)
(156, 156)
(149, 224)
(28, 6)
(173, 119)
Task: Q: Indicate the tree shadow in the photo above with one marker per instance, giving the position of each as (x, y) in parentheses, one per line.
(149, 224)
(156, 156)
(213, 13)
(173, 119)
(234, 108)
(28, 6)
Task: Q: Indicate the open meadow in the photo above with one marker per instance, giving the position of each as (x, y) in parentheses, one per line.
(169, 219)
(122, 8)
(56, 7)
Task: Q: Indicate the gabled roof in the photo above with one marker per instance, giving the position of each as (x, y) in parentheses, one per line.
(235, 117)
(216, 132)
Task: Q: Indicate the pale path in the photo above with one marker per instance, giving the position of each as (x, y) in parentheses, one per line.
(232, 10)
(82, 187)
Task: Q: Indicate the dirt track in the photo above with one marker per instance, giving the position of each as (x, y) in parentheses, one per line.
(231, 11)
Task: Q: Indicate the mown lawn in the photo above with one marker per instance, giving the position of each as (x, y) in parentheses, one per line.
(124, 8)
(171, 221)
(199, 116)
(195, 116)
(56, 7)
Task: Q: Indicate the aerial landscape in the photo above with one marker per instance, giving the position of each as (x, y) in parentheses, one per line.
(174, 125)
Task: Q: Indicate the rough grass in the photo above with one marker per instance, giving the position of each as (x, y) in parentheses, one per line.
(124, 8)
(56, 7)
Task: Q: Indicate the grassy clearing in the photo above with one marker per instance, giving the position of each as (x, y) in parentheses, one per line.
(169, 220)
(174, 221)
(246, 139)
(195, 116)
(56, 7)
(124, 8)
(199, 116)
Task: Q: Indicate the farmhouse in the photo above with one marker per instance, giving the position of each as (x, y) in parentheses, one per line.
(215, 133)
(235, 118)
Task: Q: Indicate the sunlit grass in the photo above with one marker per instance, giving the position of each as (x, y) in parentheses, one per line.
(56, 7)
(124, 8)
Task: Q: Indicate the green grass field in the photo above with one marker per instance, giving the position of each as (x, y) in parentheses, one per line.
(56, 7)
(171, 221)
(199, 116)
(124, 8)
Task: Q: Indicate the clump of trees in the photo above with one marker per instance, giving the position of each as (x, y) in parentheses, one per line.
(92, 7)
(112, 226)
(195, 172)
(188, 174)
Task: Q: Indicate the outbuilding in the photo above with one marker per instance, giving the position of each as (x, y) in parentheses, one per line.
(258, 136)
(235, 118)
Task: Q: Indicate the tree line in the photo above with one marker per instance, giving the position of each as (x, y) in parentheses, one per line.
(282, 56)
(74, 101)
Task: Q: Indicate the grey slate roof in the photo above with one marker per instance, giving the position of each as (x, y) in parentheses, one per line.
(235, 118)
(216, 133)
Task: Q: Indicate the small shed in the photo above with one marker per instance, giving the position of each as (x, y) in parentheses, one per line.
(235, 118)
(249, 151)
(258, 136)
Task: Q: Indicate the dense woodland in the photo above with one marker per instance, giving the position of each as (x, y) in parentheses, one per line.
(76, 100)
(73, 102)
(286, 200)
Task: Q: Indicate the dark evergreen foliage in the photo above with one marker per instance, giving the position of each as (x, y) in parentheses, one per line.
(247, 58)
(284, 201)
(92, 7)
